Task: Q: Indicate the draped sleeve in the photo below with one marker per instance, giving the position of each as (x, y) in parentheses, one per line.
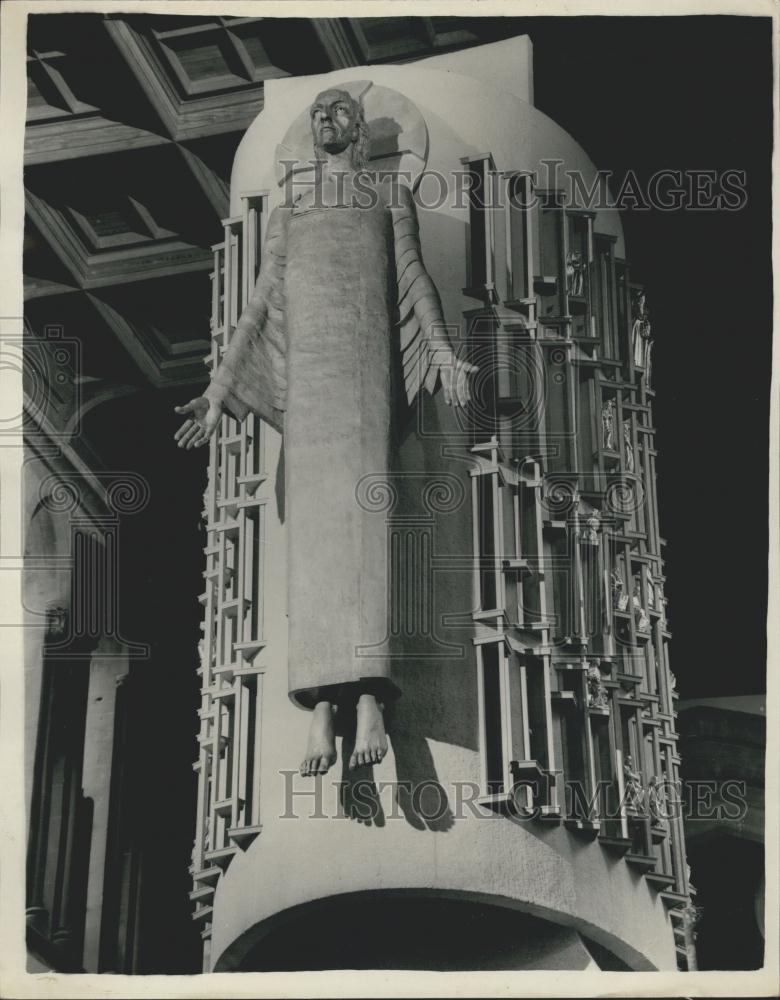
(252, 375)
(425, 345)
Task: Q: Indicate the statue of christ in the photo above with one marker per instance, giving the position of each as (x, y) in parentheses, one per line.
(343, 312)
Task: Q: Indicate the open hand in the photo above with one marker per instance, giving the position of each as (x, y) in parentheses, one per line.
(197, 430)
(456, 378)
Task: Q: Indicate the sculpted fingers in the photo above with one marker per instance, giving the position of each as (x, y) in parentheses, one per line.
(197, 430)
(183, 430)
(189, 434)
(200, 438)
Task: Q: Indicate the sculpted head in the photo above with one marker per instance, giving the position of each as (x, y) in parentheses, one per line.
(337, 123)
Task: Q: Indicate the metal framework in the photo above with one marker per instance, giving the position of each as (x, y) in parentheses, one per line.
(237, 492)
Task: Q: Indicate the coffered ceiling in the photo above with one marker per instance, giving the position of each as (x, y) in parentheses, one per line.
(132, 126)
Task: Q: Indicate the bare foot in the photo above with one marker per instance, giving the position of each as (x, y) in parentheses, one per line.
(321, 748)
(370, 738)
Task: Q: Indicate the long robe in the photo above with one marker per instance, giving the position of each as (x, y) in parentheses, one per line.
(313, 354)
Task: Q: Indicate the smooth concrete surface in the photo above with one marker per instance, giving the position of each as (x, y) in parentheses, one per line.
(507, 65)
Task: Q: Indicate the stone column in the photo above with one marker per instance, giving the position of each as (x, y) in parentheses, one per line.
(119, 925)
(40, 759)
(108, 670)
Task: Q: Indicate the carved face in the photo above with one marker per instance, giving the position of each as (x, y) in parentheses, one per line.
(334, 120)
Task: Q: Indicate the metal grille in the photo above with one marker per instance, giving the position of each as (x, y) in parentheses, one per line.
(230, 738)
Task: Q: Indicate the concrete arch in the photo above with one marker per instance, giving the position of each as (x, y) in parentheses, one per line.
(563, 936)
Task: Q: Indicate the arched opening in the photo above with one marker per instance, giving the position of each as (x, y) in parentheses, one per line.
(413, 931)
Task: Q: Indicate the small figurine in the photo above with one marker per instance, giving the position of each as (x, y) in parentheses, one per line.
(574, 273)
(608, 424)
(643, 622)
(597, 693)
(619, 599)
(648, 361)
(592, 525)
(650, 592)
(634, 793)
(691, 916)
(616, 585)
(658, 804)
(629, 448)
(641, 329)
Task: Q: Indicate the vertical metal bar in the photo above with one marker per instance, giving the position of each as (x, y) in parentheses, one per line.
(483, 740)
(506, 720)
(255, 818)
(552, 784)
(477, 575)
(488, 177)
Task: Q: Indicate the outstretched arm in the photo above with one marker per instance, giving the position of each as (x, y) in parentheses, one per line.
(251, 375)
(428, 351)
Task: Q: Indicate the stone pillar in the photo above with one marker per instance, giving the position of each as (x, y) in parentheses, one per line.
(107, 670)
(40, 759)
(70, 888)
(119, 923)
(59, 815)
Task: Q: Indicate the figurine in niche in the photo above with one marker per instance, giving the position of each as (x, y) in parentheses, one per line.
(650, 592)
(597, 693)
(691, 916)
(574, 273)
(619, 599)
(342, 292)
(629, 448)
(640, 330)
(643, 622)
(672, 683)
(634, 792)
(648, 362)
(658, 804)
(590, 532)
(608, 424)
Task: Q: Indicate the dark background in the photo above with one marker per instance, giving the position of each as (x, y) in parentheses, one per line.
(686, 93)
(691, 93)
